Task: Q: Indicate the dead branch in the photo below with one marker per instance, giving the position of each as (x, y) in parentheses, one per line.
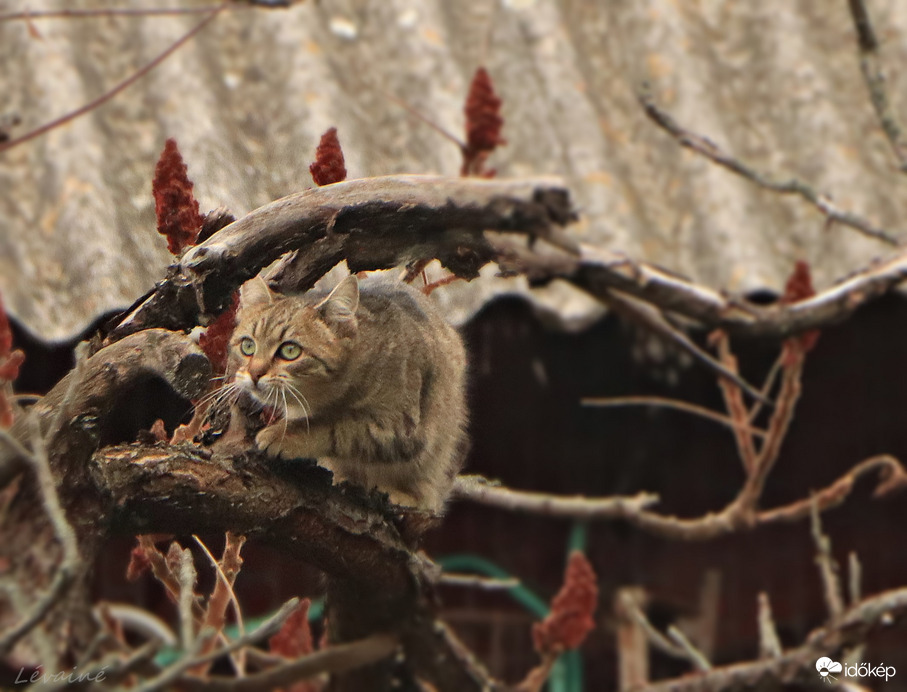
(675, 404)
(694, 655)
(191, 658)
(655, 321)
(164, 489)
(106, 96)
(870, 66)
(483, 491)
(598, 271)
(372, 223)
(635, 509)
(29, 15)
(796, 665)
(72, 422)
(64, 533)
(790, 186)
(335, 659)
(769, 644)
(828, 566)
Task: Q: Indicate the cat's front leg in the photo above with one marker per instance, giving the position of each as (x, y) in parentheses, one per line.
(295, 440)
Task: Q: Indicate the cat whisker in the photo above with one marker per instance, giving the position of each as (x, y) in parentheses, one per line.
(283, 393)
(218, 395)
(301, 400)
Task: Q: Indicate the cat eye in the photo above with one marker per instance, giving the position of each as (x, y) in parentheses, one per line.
(247, 346)
(289, 350)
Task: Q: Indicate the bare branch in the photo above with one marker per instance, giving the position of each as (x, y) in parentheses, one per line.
(870, 66)
(676, 404)
(173, 672)
(64, 532)
(769, 644)
(187, 577)
(828, 567)
(635, 509)
(653, 319)
(796, 665)
(29, 15)
(335, 659)
(790, 186)
(129, 81)
(694, 655)
(478, 582)
(482, 490)
(598, 271)
(854, 577)
(733, 401)
(372, 223)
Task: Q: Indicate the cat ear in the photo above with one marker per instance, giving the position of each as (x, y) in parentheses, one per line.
(338, 310)
(255, 292)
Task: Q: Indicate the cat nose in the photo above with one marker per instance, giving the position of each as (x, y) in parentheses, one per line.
(256, 370)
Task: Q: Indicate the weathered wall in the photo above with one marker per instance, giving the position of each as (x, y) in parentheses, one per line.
(777, 82)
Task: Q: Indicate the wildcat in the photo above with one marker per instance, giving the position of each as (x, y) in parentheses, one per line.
(369, 381)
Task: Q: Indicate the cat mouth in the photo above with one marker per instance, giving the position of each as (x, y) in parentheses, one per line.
(270, 415)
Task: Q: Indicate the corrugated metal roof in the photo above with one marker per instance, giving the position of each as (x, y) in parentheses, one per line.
(775, 82)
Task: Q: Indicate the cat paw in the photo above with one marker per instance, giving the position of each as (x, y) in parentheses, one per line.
(268, 440)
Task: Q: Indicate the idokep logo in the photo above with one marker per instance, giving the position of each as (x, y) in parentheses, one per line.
(826, 667)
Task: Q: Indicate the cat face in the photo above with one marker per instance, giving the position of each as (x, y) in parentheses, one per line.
(288, 352)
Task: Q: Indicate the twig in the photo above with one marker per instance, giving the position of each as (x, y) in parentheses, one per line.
(693, 655)
(139, 621)
(129, 81)
(632, 638)
(788, 395)
(870, 66)
(633, 610)
(29, 15)
(111, 668)
(163, 572)
(481, 490)
(854, 577)
(654, 320)
(828, 567)
(769, 644)
(64, 532)
(189, 661)
(223, 594)
(795, 665)
(337, 658)
(733, 401)
(478, 582)
(790, 186)
(766, 387)
(187, 599)
(676, 404)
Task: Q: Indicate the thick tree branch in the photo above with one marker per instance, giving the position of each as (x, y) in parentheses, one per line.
(372, 223)
(164, 488)
(71, 422)
(598, 271)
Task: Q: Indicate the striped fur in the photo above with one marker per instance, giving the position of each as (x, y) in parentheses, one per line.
(376, 393)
